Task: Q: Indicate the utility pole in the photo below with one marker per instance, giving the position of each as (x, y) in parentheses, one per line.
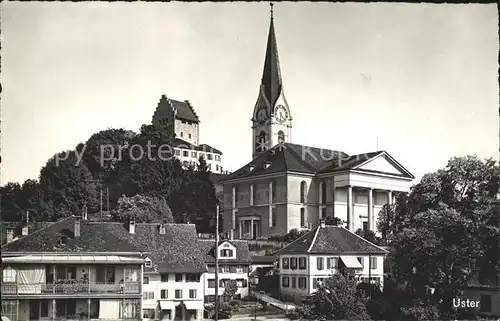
(217, 263)
(107, 199)
(101, 201)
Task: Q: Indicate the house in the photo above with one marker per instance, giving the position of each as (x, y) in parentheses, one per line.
(180, 118)
(234, 264)
(484, 290)
(71, 269)
(322, 252)
(290, 186)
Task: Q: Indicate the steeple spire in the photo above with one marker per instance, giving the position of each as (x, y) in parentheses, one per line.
(271, 78)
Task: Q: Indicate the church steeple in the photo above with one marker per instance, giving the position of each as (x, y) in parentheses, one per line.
(271, 77)
(271, 121)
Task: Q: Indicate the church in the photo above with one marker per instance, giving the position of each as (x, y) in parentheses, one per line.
(289, 186)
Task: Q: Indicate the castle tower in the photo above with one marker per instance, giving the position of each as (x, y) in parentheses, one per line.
(271, 121)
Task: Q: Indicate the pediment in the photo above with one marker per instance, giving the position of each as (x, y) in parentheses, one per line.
(383, 163)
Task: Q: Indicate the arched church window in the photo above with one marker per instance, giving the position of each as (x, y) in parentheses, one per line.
(281, 137)
(261, 142)
(303, 187)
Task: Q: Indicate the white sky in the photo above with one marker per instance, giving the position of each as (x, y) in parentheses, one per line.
(421, 77)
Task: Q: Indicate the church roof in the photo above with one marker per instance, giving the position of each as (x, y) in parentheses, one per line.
(311, 160)
(330, 240)
(271, 77)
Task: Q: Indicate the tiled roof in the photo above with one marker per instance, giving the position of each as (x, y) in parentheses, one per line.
(264, 259)
(184, 109)
(175, 251)
(290, 157)
(242, 251)
(177, 142)
(93, 238)
(331, 240)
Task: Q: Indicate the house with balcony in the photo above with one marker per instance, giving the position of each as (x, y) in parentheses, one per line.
(234, 264)
(326, 250)
(72, 269)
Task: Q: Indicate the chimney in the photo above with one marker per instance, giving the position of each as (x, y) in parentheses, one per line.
(10, 235)
(162, 228)
(77, 226)
(131, 226)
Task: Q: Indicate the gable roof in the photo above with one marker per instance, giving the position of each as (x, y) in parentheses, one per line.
(331, 240)
(175, 251)
(311, 160)
(184, 109)
(242, 251)
(93, 238)
(289, 157)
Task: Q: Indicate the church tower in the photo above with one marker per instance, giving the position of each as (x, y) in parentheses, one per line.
(271, 121)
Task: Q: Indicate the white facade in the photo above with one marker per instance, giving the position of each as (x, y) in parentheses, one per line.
(168, 296)
(189, 156)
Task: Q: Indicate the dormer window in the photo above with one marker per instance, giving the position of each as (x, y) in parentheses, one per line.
(148, 263)
(266, 165)
(226, 253)
(251, 167)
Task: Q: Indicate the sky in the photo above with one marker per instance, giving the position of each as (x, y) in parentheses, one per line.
(423, 78)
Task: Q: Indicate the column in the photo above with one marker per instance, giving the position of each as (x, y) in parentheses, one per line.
(389, 197)
(251, 229)
(233, 216)
(88, 309)
(333, 196)
(53, 309)
(350, 216)
(270, 209)
(251, 195)
(371, 223)
(241, 229)
(88, 276)
(183, 312)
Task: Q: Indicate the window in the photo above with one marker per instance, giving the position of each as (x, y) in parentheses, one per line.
(9, 309)
(44, 308)
(317, 282)
(294, 282)
(178, 294)
(148, 262)
(485, 303)
(373, 263)
(226, 253)
(302, 217)
(192, 294)
(217, 157)
(193, 154)
(164, 294)
(320, 262)
(148, 296)
(201, 155)
(365, 226)
(189, 136)
(361, 261)
(261, 142)
(323, 193)
(254, 194)
(182, 134)
(209, 156)
(274, 213)
(235, 194)
(303, 187)
(216, 167)
(323, 213)
(178, 277)
(177, 152)
(273, 191)
(211, 283)
(293, 263)
(192, 278)
(164, 277)
(285, 281)
(302, 263)
(285, 263)
(332, 263)
(9, 274)
(281, 137)
(302, 283)
(145, 280)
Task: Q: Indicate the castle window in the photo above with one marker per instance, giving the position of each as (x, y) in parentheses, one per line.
(281, 137)
(303, 187)
(182, 134)
(189, 136)
(323, 192)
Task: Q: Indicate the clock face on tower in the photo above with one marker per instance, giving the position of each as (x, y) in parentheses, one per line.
(261, 115)
(281, 113)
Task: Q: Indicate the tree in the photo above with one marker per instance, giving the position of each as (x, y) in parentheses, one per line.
(11, 202)
(369, 236)
(35, 202)
(230, 289)
(67, 185)
(445, 223)
(336, 299)
(143, 208)
(333, 221)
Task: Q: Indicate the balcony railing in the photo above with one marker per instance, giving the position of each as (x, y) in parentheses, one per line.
(70, 287)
